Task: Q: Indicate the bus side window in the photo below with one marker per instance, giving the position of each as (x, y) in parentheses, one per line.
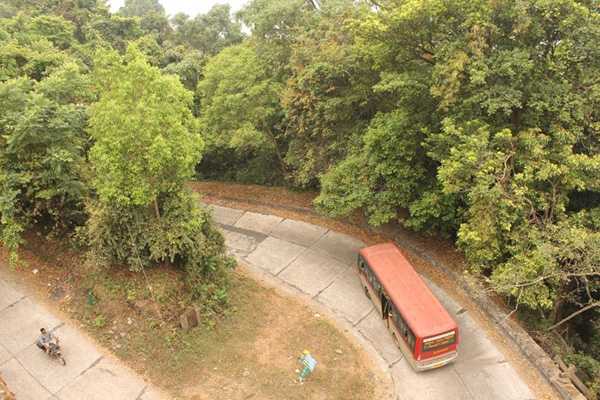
(399, 322)
(395, 315)
(370, 277)
(411, 341)
(362, 265)
(405, 331)
(376, 284)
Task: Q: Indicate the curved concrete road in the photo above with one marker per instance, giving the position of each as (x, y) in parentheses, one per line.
(316, 262)
(31, 375)
(319, 263)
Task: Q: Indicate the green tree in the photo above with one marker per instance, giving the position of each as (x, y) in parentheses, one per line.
(55, 29)
(146, 117)
(157, 25)
(208, 33)
(187, 64)
(506, 111)
(240, 105)
(115, 30)
(78, 12)
(42, 153)
(274, 25)
(328, 98)
(29, 47)
(140, 8)
(384, 174)
(152, 17)
(146, 147)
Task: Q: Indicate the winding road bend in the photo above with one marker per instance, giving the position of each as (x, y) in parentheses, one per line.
(301, 257)
(319, 263)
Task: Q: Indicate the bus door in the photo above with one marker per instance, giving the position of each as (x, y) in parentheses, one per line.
(386, 308)
(387, 315)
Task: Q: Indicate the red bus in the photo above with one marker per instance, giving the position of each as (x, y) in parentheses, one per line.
(420, 325)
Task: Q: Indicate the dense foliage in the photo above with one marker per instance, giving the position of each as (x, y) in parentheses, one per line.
(475, 120)
(146, 145)
(240, 108)
(43, 93)
(97, 142)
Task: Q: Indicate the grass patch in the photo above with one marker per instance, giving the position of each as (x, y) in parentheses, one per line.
(248, 350)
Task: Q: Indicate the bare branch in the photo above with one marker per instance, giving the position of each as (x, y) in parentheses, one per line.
(587, 288)
(550, 276)
(514, 310)
(573, 315)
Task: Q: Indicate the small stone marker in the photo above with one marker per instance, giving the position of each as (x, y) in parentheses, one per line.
(189, 319)
(309, 364)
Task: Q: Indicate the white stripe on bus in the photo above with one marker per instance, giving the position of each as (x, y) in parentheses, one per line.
(443, 335)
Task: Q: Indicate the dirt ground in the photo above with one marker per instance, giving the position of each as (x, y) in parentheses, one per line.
(298, 205)
(249, 351)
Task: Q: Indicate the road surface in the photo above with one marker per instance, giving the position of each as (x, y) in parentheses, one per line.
(312, 260)
(31, 375)
(319, 263)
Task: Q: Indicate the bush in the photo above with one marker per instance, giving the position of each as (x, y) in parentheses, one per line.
(590, 366)
(184, 236)
(226, 164)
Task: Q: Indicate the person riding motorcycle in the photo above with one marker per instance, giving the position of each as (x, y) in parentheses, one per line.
(44, 340)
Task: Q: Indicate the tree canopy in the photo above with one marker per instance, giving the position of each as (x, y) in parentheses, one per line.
(141, 8)
(98, 138)
(145, 137)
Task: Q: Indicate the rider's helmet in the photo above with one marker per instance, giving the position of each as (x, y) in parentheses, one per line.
(43, 330)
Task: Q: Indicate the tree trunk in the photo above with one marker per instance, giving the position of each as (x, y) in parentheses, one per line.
(554, 315)
(156, 209)
(282, 165)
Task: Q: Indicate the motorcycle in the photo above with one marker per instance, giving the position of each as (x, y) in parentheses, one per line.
(55, 353)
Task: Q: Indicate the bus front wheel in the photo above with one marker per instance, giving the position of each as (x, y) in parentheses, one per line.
(367, 293)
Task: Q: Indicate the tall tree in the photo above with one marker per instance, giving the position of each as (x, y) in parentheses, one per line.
(43, 96)
(146, 147)
(146, 115)
(140, 8)
(208, 33)
(240, 105)
(78, 12)
(42, 153)
(115, 31)
(505, 111)
(328, 98)
(29, 46)
(153, 19)
(274, 25)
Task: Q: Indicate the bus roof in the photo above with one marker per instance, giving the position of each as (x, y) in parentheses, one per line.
(420, 309)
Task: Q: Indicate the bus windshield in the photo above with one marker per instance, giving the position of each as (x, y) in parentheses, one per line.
(439, 341)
